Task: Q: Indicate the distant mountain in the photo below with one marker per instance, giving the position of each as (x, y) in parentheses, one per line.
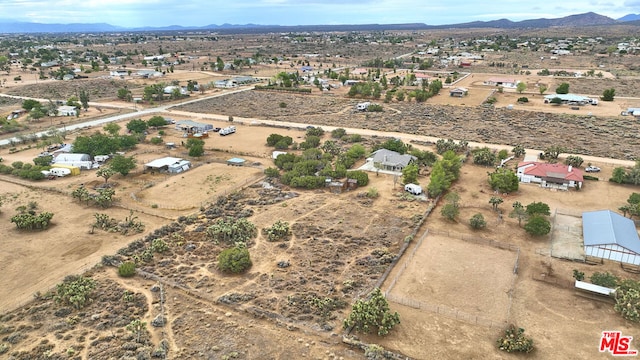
(630, 17)
(586, 19)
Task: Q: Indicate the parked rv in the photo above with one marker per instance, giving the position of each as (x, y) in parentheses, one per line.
(227, 131)
(413, 189)
(59, 172)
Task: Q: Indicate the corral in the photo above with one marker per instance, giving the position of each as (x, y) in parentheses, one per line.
(566, 237)
(459, 276)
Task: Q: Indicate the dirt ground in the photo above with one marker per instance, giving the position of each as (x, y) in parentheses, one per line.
(340, 246)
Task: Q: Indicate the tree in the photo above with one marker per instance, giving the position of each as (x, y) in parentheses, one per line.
(521, 87)
(553, 152)
(122, 164)
(338, 133)
(477, 221)
(563, 88)
(504, 180)
(608, 94)
(84, 99)
(537, 226)
(157, 121)
(124, 94)
(410, 174)
(75, 291)
(452, 208)
(234, 260)
(518, 212)
(372, 314)
(30, 104)
(538, 208)
(484, 156)
(556, 101)
(112, 128)
(518, 150)
(195, 147)
(495, 201)
(105, 172)
(619, 175)
(136, 327)
(573, 160)
(138, 126)
(542, 89)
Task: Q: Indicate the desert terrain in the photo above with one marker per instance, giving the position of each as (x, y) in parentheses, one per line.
(454, 288)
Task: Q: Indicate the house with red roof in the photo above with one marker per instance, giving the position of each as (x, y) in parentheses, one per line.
(556, 176)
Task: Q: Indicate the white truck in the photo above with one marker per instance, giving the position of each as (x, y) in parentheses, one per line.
(227, 131)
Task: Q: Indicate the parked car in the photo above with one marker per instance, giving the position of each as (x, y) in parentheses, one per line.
(592, 169)
(216, 129)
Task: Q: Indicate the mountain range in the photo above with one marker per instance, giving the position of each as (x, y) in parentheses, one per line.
(586, 19)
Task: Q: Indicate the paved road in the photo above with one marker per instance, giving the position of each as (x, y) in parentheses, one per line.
(136, 114)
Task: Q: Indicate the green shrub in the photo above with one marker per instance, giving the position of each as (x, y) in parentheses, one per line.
(372, 193)
(578, 275)
(515, 341)
(234, 260)
(477, 221)
(605, 279)
(590, 177)
(156, 140)
(272, 172)
(523, 99)
(127, 269)
(75, 291)
(280, 230)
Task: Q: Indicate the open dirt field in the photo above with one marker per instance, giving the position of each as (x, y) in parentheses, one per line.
(465, 285)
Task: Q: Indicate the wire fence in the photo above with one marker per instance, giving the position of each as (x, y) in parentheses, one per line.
(477, 240)
(447, 312)
(563, 283)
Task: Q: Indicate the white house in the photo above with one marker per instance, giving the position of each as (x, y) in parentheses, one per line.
(610, 236)
(66, 110)
(556, 176)
(504, 82)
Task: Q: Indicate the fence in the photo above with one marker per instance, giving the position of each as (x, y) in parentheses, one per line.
(445, 310)
(477, 240)
(563, 283)
(448, 312)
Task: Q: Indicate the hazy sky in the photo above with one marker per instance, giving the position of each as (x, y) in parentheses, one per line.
(135, 13)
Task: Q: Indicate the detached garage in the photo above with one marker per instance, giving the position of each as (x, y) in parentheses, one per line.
(610, 236)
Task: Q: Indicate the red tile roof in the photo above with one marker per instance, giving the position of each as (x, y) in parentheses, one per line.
(556, 171)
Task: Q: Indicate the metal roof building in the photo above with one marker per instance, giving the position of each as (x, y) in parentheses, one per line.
(610, 236)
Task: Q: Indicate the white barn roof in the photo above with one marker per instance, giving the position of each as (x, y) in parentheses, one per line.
(162, 162)
(605, 227)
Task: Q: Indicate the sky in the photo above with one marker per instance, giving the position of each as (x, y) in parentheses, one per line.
(139, 13)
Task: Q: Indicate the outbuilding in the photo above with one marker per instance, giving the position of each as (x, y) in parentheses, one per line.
(610, 236)
(168, 164)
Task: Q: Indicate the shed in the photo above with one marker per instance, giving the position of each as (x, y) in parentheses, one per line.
(163, 164)
(610, 236)
(69, 157)
(193, 126)
(180, 166)
(236, 161)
